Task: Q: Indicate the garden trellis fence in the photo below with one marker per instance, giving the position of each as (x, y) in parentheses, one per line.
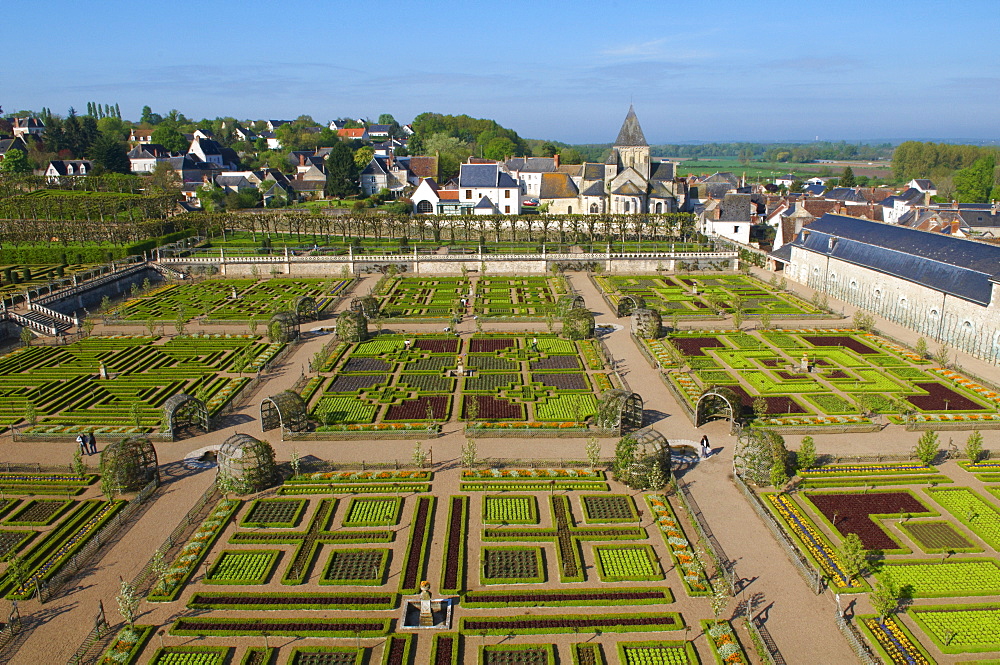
(48, 589)
(861, 649)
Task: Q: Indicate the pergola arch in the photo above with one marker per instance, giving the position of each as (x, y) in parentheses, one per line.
(246, 464)
(286, 410)
(652, 443)
(367, 305)
(283, 327)
(130, 463)
(715, 401)
(628, 303)
(181, 409)
(571, 301)
(306, 308)
(619, 410)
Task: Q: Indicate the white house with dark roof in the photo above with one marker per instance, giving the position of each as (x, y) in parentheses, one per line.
(529, 170)
(144, 157)
(25, 127)
(73, 168)
(492, 182)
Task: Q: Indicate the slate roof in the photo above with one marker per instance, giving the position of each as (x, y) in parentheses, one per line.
(631, 133)
(846, 194)
(815, 190)
(210, 147)
(592, 171)
(532, 164)
(484, 204)
(594, 189)
(557, 186)
(659, 189)
(924, 183)
(723, 176)
(662, 171)
(735, 208)
(628, 188)
(237, 181)
(14, 143)
(378, 129)
(148, 151)
(717, 190)
(484, 175)
(958, 267)
(60, 165)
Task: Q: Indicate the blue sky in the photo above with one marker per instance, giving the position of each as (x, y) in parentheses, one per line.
(719, 70)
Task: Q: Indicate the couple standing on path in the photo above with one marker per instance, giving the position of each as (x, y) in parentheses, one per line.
(87, 441)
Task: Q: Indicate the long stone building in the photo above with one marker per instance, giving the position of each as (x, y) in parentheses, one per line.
(945, 288)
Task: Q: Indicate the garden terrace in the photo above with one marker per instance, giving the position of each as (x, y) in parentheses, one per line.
(702, 297)
(544, 380)
(807, 379)
(858, 512)
(63, 385)
(213, 299)
(409, 298)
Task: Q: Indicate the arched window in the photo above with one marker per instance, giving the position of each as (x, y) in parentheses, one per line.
(594, 209)
(833, 277)
(569, 210)
(878, 293)
(904, 303)
(425, 206)
(933, 314)
(968, 327)
(659, 208)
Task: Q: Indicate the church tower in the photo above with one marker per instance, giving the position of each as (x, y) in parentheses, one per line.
(631, 146)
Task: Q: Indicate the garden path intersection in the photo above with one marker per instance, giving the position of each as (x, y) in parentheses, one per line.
(800, 622)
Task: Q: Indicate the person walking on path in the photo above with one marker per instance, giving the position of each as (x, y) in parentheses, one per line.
(82, 440)
(534, 344)
(706, 449)
(93, 444)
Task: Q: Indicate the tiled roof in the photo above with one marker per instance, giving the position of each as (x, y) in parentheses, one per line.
(424, 166)
(557, 186)
(354, 133)
(631, 133)
(959, 267)
(448, 194)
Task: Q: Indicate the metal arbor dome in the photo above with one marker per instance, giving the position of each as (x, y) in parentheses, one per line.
(130, 463)
(366, 305)
(646, 323)
(306, 308)
(246, 464)
(182, 409)
(352, 326)
(286, 410)
(578, 324)
(569, 302)
(619, 410)
(628, 303)
(652, 443)
(283, 327)
(718, 401)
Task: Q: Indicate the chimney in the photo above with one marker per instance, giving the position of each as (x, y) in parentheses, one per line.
(555, 160)
(302, 160)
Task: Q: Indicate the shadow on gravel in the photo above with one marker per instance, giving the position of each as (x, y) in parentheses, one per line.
(29, 622)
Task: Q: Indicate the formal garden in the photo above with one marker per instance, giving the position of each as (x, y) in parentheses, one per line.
(690, 296)
(921, 544)
(120, 384)
(486, 380)
(227, 300)
(819, 378)
(537, 577)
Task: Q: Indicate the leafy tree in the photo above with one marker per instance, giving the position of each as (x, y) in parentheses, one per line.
(974, 184)
(941, 356)
(17, 570)
(885, 596)
(593, 452)
(113, 126)
(26, 336)
(15, 161)
(921, 347)
(170, 138)
(570, 156)
(974, 446)
(847, 178)
(419, 455)
(128, 602)
(927, 447)
(30, 413)
(548, 149)
(852, 555)
(499, 148)
(363, 157)
(79, 467)
(469, 454)
(779, 476)
(341, 172)
(108, 152)
(807, 453)
(150, 118)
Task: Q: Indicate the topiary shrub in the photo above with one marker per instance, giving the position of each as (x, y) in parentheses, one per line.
(352, 327)
(578, 324)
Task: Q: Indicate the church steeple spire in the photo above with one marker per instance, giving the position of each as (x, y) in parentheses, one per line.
(631, 133)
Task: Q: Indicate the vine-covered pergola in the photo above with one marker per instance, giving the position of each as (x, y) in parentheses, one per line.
(650, 443)
(306, 308)
(283, 327)
(285, 410)
(646, 323)
(367, 305)
(619, 410)
(571, 301)
(628, 303)
(130, 463)
(246, 464)
(718, 402)
(184, 409)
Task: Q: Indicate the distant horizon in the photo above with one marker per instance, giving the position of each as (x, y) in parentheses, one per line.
(547, 70)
